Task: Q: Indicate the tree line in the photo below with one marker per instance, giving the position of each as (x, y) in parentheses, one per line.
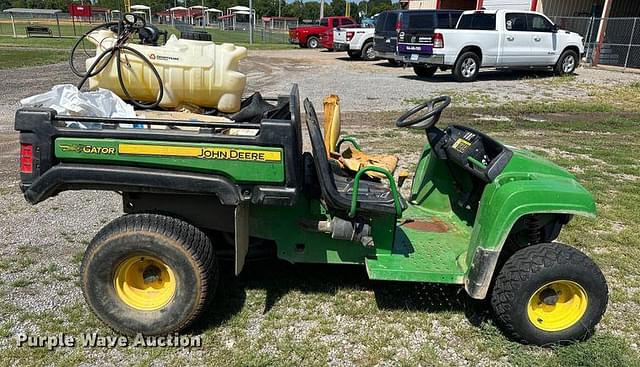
(309, 10)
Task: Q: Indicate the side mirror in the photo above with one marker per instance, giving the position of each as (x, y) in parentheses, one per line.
(555, 28)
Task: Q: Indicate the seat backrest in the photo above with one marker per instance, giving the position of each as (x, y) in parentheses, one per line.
(323, 168)
(331, 123)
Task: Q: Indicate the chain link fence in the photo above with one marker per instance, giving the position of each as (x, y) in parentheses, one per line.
(620, 44)
(275, 32)
(64, 26)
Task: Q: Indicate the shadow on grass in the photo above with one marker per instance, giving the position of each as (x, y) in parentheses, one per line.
(278, 278)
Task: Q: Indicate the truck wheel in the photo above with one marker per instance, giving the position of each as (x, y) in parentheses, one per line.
(353, 54)
(313, 42)
(149, 274)
(466, 67)
(368, 54)
(425, 71)
(549, 293)
(567, 63)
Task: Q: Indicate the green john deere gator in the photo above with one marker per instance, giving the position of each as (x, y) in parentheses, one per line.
(480, 214)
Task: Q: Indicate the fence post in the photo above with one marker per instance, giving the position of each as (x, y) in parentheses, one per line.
(626, 60)
(13, 25)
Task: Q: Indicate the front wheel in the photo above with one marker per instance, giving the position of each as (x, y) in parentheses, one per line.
(149, 274)
(567, 63)
(424, 71)
(466, 67)
(549, 293)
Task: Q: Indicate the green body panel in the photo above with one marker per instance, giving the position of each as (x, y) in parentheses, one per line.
(429, 246)
(243, 163)
(436, 239)
(528, 185)
(299, 245)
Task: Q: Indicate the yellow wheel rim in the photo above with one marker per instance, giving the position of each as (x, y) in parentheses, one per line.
(557, 305)
(145, 283)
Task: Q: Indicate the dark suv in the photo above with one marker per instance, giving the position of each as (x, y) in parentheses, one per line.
(386, 35)
(399, 31)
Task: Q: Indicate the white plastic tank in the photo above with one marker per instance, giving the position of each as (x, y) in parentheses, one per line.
(197, 72)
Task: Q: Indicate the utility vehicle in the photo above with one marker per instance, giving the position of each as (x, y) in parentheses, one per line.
(480, 214)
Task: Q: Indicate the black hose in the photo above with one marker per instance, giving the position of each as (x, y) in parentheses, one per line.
(117, 50)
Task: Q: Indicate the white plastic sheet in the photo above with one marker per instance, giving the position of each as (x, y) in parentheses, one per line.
(66, 99)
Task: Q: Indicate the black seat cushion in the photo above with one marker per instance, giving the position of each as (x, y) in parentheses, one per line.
(336, 188)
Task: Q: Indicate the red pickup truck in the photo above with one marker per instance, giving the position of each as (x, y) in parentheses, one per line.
(309, 36)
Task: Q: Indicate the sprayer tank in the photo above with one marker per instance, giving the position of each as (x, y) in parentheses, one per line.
(196, 72)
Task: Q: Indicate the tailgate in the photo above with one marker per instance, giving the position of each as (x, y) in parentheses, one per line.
(340, 36)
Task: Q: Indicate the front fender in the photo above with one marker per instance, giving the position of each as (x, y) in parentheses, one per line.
(503, 202)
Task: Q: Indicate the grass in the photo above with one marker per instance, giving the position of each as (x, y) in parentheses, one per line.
(23, 52)
(16, 58)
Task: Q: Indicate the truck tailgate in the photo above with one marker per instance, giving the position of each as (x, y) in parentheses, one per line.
(340, 36)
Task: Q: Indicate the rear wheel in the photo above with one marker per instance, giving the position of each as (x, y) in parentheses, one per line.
(549, 293)
(425, 71)
(567, 63)
(313, 42)
(149, 274)
(353, 54)
(466, 67)
(368, 54)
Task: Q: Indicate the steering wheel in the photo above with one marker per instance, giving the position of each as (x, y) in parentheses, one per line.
(435, 107)
(134, 20)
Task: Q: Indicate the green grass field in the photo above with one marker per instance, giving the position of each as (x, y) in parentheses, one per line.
(280, 314)
(11, 58)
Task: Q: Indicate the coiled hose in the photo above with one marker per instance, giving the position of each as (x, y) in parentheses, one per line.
(118, 51)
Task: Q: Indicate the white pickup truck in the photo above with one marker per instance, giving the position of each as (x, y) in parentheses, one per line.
(499, 38)
(358, 42)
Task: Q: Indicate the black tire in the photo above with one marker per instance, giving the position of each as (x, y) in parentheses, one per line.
(354, 54)
(527, 272)
(466, 67)
(424, 71)
(367, 52)
(183, 248)
(567, 63)
(313, 42)
(393, 62)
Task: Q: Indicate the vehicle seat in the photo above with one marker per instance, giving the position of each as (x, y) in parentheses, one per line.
(336, 188)
(352, 159)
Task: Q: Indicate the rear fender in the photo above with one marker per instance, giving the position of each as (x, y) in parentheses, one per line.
(507, 199)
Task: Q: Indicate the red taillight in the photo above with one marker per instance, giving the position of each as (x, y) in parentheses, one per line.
(438, 40)
(350, 36)
(26, 158)
(398, 26)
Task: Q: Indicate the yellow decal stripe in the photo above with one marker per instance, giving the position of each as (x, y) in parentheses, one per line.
(201, 152)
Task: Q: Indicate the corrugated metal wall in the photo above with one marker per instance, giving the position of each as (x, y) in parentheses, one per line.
(566, 8)
(507, 4)
(625, 8)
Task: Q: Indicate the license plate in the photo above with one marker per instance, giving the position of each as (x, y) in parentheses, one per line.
(414, 57)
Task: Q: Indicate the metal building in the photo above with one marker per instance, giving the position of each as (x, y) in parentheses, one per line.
(611, 28)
